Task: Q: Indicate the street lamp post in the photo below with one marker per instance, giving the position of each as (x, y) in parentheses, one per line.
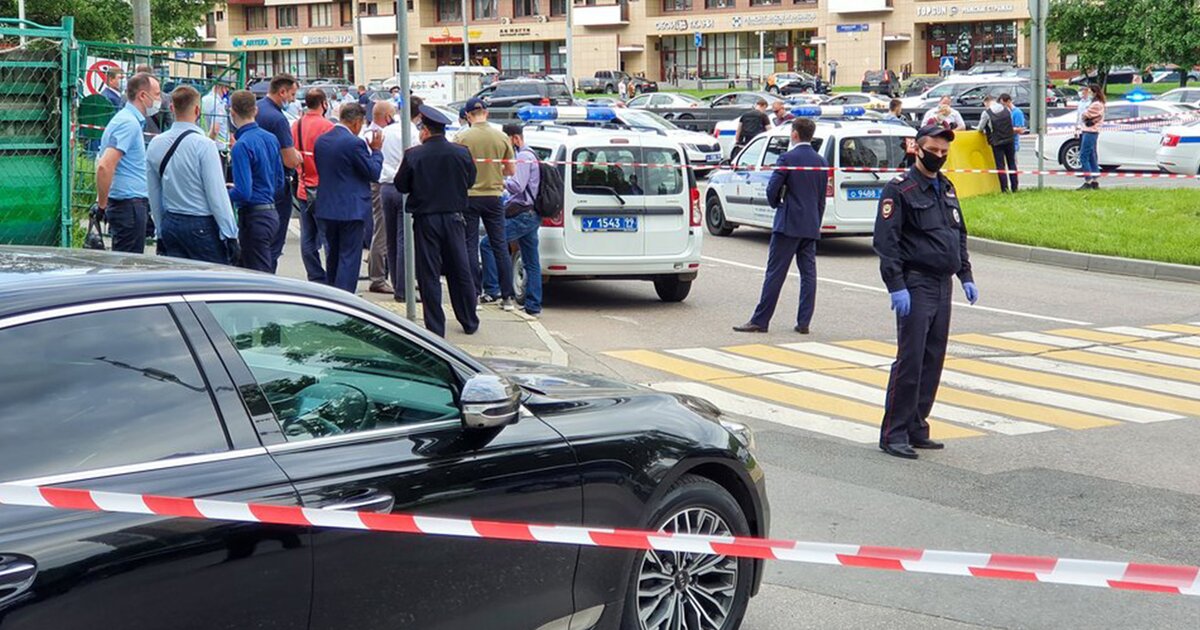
(406, 139)
(466, 36)
(762, 78)
(570, 76)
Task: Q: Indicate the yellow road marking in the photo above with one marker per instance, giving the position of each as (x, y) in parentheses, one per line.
(789, 358)
(1186, 329)
(1001, 343)
(1129, 365)
(1033, 412)
(1166, 347)
(1067, 384)
(778, 392)
(1098, 336)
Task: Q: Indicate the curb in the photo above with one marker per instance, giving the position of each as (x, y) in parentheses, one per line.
(1087, 262)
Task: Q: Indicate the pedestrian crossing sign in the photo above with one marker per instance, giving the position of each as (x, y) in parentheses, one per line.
(947, 63)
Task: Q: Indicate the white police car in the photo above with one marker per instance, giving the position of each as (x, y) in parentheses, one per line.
(1129, 137)
(738, 197)
(1179, 149)
(725, 131)
(631, 207)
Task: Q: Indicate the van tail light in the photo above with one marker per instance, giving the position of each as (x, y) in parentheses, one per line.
(1170, 140)
(829, 187)
(555, 221)
(545, 102)
(716, 133)
(697, 216)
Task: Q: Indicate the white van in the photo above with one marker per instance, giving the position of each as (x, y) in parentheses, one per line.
(738, 196)
(631, 211)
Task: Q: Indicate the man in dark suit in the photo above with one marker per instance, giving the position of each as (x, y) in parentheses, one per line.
(798, 197)
(347, 165)
(436, 177)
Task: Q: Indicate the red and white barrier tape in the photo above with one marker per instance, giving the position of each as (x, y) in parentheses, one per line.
(1175, 579)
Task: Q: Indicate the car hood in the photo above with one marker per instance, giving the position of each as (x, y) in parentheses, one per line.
(559, 382)
(690, 137)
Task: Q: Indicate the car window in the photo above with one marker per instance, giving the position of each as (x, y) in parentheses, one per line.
(542, 153)
(613, 168)
(327, 373)
(1176, 97)
(1120, 112)
(661, 99)
(662, 176)
(871, 152)
(751, 156)
(776, 146)
(101, 389)
(640, 101)
(511, 89)
(723, 101)
(856, 99)
(487, 91)
(558, 90)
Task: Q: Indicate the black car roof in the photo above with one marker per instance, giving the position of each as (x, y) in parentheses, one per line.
(38, 278)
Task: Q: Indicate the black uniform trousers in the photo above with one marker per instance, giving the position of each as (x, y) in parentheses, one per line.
(393, 226)
(782, 251)
(440, 247)
(283, 208)
(1006, 160)
(256, 230)
(490, 210)
(920, 353)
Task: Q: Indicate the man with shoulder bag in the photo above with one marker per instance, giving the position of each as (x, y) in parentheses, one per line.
(305, 131)
(521, 223)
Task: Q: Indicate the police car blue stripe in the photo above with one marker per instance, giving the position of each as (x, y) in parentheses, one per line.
(728, 132)
(1189, 140)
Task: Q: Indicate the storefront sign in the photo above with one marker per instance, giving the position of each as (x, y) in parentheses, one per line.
(683, 25)
(966, 9)
(317, 40)
(516, 31)
(284, 42)
(853, 28)
(777, 19)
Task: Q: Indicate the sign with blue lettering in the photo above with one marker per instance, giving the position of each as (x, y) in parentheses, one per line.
(699, 39)
(853, 28)
(947, 63)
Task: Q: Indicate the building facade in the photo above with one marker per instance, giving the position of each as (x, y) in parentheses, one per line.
(665, 40)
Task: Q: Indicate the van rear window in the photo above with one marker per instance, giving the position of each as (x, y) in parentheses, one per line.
(659, 171)
(872, 152)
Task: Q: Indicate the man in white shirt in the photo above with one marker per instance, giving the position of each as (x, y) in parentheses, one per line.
(377, 268)
(393, 201)
(214, 114)
(944, 116)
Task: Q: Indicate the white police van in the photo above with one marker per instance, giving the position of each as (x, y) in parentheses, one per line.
(631, 206)
(738, 196)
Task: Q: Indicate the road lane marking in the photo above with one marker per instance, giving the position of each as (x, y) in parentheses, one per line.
(1117, 360)
(759, 410)
(1101, 374)
(1167, 347)
(877, 289)
(1092, 335)
(776, 354)
(1191, 341)
(1185, 329)
(731, 361)
(1044, 339)
(1154, 357)
(1134, 331)
(776, 392)
(1062, 380)
(1002, 343)
(1033, 412)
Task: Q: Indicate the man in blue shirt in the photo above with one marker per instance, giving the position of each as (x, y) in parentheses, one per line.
(121, 193)
(271, 119)
(521, 223)
(257, 177)
(188, 200)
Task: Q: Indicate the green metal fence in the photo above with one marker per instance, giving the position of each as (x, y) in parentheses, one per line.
(35, 123)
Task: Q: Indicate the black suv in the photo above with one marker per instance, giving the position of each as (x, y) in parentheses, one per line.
(149, 375)
(883, 82)
(517, 92)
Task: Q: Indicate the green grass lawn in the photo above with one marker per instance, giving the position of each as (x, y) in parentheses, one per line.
(1145, 223)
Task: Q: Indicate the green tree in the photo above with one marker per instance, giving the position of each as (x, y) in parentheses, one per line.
(1102, 33)
(172, 22)
(1173, 26)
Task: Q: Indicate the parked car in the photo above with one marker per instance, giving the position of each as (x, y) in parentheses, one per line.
(664, 100)
(741, 99)
(863, 99)
(787, 83)
(607, 81)
(882, 82)
(1118, 75)
(1067, 95)
(515, 93)
(1168, 75)
(919, 85)
(150, 375)
(989, 67)
(604, 101)
(1120, 144)
(951, 86)
(1189, 96)
(1179, 149)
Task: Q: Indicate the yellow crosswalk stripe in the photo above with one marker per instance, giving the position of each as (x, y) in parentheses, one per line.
(1082, 356)
(1099, 336)
(1185, 329)
(1001, 343)
(778, 392)
(1166, 347)
(1051, 381)
(1033, 412)
(788, 357)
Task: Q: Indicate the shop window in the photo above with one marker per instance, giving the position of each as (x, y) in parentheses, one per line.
(485, 9)
(449, 11)
(677, 5)
(256, 18)
(287, 17)
(320, 15)
(814, 2)
(527, 8)
(220, 16)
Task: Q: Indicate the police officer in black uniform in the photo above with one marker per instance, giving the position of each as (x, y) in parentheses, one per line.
(436, 176)
(921, 242)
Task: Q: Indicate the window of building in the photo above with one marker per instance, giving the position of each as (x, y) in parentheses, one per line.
(485, 9)
(811, 2)
(527, 8)
(98, 390)
(558, 7)
(449, 11)
(533, 57)
(718, 4)
(765, 3)
(256, 18)
(287, 17)
(677, 5)
(320, 15)
(346, 11)
(220, 16)
(368, 8)
(210, 26)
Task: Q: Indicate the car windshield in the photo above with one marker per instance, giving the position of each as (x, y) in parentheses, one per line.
(641, 118)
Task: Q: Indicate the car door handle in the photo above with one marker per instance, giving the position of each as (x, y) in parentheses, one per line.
(370, 500)
(16, 575)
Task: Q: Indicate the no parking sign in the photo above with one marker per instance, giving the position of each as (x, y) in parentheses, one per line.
(93, 80)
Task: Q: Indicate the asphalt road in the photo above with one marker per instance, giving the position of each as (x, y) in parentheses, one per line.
(1077, 443)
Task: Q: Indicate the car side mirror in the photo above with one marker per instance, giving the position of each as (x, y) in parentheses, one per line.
(489, 401)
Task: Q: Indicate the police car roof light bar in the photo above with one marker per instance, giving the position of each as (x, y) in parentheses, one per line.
(827, 111)
(583, 114)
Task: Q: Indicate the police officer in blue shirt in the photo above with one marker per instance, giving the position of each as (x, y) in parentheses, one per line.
(121, 192)
(436, 177)
(921, 242)
(257, 176)
(280, 93)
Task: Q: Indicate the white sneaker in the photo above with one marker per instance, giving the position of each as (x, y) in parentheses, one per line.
(508, 304)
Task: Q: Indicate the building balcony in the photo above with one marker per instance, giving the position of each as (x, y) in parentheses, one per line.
(379, 25)
(601, 12)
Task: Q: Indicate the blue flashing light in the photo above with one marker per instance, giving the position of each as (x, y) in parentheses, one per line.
(854, 111)
(600, 114)
(537, 112)
(543, 113)
(1138, 95)
(807, 111)
(817, 111)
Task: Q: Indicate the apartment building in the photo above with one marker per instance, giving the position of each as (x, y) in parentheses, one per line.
(663, 39)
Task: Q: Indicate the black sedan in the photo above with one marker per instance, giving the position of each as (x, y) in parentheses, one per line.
(151, 375)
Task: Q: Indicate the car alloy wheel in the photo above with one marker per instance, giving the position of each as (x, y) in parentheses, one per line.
(714, 219)
(1072, 158)
(687, 591)
(520, 280)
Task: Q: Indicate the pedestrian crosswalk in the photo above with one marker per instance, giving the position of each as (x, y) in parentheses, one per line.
(1010, 383)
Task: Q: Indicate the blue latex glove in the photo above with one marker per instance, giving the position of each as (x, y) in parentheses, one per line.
(971, 291)
(901, 302)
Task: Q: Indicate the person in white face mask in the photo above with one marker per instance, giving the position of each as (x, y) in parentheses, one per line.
(121, 191)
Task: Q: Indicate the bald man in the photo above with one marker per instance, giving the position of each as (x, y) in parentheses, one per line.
(383, 113)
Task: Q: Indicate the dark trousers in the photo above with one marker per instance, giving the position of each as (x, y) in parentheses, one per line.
(779, 257)
(920, 353)
(283, 207)
(343, 252)
(440, 248)
(488, 209)
(127, 223)
(191, 237)
(1006, 160)
(311, 242)
(256, 230)
(393, 227)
